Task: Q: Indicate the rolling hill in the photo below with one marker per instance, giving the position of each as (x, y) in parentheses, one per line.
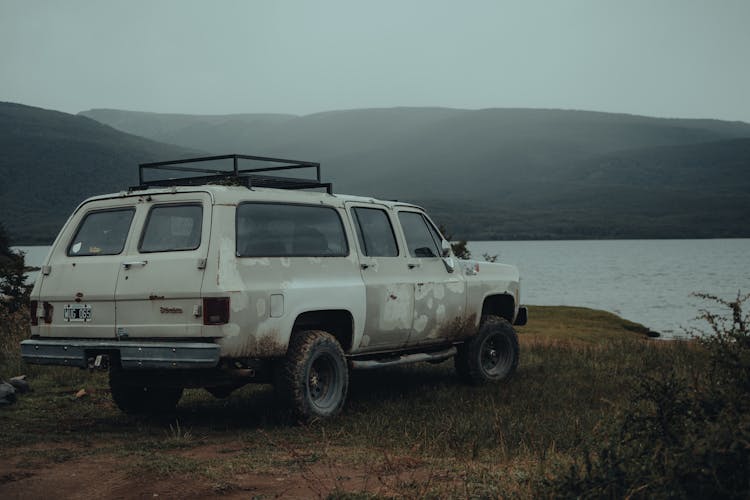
(486, 174)
(51, 161)
(505, 173)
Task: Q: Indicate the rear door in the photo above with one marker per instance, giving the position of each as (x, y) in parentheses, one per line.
(388, 285)
(161, 272)
(77, 290)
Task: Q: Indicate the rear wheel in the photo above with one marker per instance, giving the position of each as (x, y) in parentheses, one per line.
(313, 379)
(137, 398)
(491, 355)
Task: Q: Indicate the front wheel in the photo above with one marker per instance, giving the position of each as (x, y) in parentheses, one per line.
(491, 355)
(313, 378)
(136, 398)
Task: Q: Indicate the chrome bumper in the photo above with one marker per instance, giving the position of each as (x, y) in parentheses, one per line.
(132, 355)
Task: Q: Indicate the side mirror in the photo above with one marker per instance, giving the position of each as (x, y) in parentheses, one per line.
(446, 248)
(450, 264)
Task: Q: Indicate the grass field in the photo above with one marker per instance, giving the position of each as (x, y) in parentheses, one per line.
(411, 431)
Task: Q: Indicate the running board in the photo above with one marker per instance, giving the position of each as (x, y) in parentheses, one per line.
(369, 364)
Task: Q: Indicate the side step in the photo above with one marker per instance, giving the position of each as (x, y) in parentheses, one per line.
(369, 364)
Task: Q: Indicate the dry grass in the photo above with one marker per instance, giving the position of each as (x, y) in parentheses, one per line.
(578, 324)
(411, 431)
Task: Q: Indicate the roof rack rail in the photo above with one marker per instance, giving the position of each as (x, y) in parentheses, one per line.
(248, 177)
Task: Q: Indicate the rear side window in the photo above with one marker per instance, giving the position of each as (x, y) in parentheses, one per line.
(419, 236)
(171, 228)
(277, 230)
(375, 232)
(102, 233)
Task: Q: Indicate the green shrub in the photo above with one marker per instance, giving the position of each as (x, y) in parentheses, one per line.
(685, 433)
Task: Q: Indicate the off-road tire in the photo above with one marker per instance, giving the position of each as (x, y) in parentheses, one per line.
(138, 399)
(313, 379)
(489, 356)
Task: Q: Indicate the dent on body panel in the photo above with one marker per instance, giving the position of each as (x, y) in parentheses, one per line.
(397, 310)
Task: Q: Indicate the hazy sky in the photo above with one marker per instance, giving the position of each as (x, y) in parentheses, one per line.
(678, 58)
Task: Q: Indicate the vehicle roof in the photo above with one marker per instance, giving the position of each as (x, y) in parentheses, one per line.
(237, 194)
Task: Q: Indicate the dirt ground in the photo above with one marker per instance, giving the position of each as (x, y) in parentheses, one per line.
(106, 475)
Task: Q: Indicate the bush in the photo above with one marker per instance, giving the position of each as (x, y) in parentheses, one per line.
(14, 292)
(684, 433)
(13, 329)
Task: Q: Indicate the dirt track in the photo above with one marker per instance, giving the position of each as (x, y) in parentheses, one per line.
(107, 475)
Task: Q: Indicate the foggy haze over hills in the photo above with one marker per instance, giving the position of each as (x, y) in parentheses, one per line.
(430, 152)
(487, 174)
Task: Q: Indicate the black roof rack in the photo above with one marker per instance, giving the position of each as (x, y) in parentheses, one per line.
(248, 177)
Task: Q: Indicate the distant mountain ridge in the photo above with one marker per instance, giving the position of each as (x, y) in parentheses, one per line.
(390, 149)
(506, 173)
(485, 174)
(51, 161)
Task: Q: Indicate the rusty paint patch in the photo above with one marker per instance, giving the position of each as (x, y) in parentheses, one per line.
(459, 328)
(269, 347)
(249, 346)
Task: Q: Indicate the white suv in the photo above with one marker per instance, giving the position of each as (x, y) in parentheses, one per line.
(219, 280)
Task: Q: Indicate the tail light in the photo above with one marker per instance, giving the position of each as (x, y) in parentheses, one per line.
(48, 309)
(33, 305)
(216, 311)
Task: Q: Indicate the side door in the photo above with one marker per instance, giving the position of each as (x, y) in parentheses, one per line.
(388, 287)
(78, 285)
(439, 294)
(159, 286)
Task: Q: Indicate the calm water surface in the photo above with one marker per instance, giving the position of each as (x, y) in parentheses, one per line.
(648, 281)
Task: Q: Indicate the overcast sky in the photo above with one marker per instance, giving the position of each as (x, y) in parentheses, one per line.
(674, 58)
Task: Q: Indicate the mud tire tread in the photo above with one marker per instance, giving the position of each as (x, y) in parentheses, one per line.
(292, 373)
(468, 358)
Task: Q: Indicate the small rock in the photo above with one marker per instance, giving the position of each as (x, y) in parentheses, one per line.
(81, 393)
(7, 394)
(20, 384)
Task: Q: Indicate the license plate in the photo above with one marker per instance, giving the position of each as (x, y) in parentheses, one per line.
(77, 312)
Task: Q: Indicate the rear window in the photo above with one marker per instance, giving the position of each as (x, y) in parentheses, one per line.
(375, 232)
(172, 228)
(277, 230)
(101, 233)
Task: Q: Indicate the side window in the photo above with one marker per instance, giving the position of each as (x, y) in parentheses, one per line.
(102, 233)
(172, 228)
(435, 234)
(277, 230)
(375, 232)
(419, 237)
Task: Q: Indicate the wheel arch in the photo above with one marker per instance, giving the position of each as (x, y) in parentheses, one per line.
(502, 305)
(337, 322)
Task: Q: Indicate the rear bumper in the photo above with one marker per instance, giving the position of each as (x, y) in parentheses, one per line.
(522, 317)
(132, 355)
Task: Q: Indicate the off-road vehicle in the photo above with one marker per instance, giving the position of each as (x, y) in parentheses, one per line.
(242, 275)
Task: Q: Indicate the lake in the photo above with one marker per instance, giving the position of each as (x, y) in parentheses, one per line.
(647, 281)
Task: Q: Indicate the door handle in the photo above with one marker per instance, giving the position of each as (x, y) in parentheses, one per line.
(413, 265)
(130, 263)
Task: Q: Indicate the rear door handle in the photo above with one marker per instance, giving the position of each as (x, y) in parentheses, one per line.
(413, 265)
(130, 263)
